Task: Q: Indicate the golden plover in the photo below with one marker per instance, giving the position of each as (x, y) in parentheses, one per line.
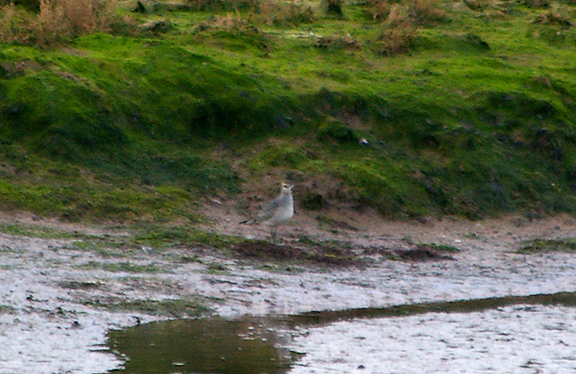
(276, 211)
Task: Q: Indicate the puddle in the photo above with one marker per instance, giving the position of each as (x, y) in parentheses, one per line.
(254, 344)
(246, 346)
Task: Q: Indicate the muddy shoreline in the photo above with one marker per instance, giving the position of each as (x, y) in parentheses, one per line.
(60, 297)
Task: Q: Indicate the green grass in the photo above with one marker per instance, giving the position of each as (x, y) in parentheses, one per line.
(438, 247)
(172, 308)
(475, 119)
(567, 245)
(122, 267)
(42, 232)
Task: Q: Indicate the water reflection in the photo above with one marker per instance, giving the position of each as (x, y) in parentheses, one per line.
(201, 346)
(254, 345)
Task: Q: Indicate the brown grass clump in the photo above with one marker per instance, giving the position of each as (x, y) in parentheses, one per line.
(8, 23)
(399, 31)
(401, 21)
(557, 16)
(421, 12)
(397, 39)
(231, 22)
(278, 13)
(426, 12)
(491, 8)
(57, 21)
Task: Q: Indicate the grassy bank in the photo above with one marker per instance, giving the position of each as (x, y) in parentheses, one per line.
(413, 108)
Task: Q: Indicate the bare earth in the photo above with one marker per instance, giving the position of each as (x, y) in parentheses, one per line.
(50, 290)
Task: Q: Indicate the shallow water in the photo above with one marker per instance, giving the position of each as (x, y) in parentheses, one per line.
(260, 344)
(201, 346)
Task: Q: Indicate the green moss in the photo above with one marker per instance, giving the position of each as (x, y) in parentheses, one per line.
(42, 232)
(478, 119)
(334, 129)
(122, 267)
(161, 236)
(173, 308)
(549, 245)
(439, 247)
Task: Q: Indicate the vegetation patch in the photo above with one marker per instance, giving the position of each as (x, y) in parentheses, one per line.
(324, 255)
(176, 308)
(7, 309)
(159, 236)
(567, 245)
(423, 253)
(77, 285)
(35, 231)
(136, 112)
(438, 247)
(123, 267)
(458, 306)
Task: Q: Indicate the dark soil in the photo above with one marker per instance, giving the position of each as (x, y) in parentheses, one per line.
(422, 253)
(321, 255)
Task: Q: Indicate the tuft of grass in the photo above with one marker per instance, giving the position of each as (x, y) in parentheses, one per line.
(56, 21)
(284, 14)
(557, 16)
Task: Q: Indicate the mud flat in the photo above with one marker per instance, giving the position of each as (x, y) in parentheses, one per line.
(60, 297)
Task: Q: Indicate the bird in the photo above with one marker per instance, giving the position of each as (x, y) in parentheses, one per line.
(276, 211)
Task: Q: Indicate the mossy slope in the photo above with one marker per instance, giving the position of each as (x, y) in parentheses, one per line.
(477, 119)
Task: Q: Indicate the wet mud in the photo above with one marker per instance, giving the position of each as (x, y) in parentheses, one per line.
(253, 345)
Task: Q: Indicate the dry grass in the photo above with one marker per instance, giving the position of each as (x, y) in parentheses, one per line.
(426, 12)
(57, 21)
(491, 8)
(422, 12)
(231, 22)
(294, 12)
(557, 16)
(397, 39)
(8, 28)
(400, 30)
(401, 22)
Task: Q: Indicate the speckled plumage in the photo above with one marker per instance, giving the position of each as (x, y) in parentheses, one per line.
(277, 211)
